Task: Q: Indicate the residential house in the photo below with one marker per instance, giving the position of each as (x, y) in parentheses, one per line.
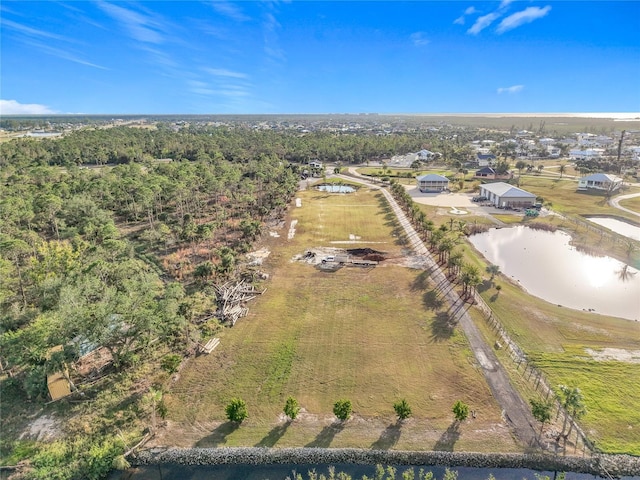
(489, 173)
(432, 182)
(600, 181)
(553, 152)
(503, 195)
(485, 159)
(586, 154)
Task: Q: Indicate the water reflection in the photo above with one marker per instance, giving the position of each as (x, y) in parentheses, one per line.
(548, 267)
(618, 226)
(333, 188)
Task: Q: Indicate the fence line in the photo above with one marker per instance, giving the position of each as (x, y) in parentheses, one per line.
(535, 378)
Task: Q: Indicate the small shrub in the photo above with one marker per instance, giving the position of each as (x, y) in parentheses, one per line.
(460, 410)
(236, 410)
(291, 408)
(171, 362)
(342, 409)
(402, 409)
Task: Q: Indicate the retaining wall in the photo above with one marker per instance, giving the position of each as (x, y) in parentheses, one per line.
(607, 466)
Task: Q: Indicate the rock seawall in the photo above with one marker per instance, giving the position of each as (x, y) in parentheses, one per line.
(602, 465)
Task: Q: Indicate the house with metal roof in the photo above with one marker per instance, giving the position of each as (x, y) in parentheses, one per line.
(504, 195)
(600, 181)
(432, 182)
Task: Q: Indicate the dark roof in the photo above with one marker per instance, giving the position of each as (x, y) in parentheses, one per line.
(486, 170)
(486, 156)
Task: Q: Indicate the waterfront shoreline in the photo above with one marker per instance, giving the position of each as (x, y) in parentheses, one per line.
(602, 465)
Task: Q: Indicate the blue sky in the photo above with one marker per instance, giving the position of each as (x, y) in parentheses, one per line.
(319, 57)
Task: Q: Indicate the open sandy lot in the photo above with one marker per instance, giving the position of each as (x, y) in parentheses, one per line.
(443, 199)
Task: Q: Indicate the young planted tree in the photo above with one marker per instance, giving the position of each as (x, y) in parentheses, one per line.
(402, 409)
(460, 410)
(541, 411)
(291, 408)
(236, 410)
(342, 409)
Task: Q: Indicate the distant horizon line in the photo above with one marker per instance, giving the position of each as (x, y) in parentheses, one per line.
(604, 115)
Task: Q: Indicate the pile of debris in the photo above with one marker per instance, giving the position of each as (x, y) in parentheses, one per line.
(231, 299)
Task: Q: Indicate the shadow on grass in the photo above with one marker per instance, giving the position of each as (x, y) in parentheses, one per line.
(274, 435)
(388, 438)
(325, 437)
(448, 439)
(484, 286)
(421, 282)
(219, 435)
(431, 301)
(441, 327)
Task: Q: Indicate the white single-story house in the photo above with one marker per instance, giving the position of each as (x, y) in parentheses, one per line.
(315, 164)
(485, 159)
(586, 154)
(600, 181)
(432, 182)
(424, 155)
(504, 195)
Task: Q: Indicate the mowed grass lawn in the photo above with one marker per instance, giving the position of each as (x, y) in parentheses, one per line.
(360, 334)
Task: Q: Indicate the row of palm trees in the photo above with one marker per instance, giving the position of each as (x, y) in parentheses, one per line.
(441, 242)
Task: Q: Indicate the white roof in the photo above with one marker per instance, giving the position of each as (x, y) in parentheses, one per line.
(432, 177)
(505, 190)
(601, 177)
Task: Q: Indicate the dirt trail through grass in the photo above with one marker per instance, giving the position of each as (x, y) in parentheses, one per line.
(516, 411)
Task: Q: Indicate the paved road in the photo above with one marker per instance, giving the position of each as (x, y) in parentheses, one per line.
(515, 410)
(615, 202)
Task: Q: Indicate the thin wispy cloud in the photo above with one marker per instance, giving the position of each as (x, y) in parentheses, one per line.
(31, 32)
(419, 39)
(270, 28)
(229, 10)
(222, 82)
(13, 107)
(223, 72)
(141, 27)
(468, 11)
(510, 90)
(525, 16)
(483, 22)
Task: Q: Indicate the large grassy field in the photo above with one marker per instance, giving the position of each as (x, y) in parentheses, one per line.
(368, 335)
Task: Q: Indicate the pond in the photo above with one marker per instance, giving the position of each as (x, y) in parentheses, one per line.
(546, 266)
(335, 188)
(281, 472)
(618, 226)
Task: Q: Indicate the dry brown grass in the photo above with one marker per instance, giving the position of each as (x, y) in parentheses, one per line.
(372, 336)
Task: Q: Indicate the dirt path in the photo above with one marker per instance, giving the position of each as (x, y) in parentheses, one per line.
(515, 409)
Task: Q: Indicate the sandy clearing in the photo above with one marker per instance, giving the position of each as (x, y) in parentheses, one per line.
(616, 354)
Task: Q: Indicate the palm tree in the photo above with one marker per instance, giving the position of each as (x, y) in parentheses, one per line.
(444, 248)
(470, 279)
(571, 400)
(455, 262)
(493, 270)
(563, 168)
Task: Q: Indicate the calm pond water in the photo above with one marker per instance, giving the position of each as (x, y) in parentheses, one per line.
(281, 472)
(545, 265)
(618, 226)
(333, 188)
